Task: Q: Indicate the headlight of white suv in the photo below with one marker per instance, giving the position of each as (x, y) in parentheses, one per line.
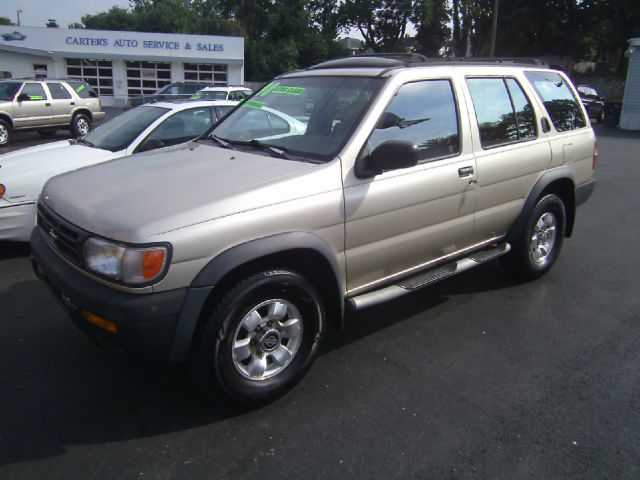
(127, 264)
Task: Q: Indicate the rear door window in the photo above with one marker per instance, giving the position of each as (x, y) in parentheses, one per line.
(57, 91)
(423, 113)
(503, 111)
(561, 104)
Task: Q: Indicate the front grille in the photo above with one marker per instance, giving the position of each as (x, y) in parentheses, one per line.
(65, 237)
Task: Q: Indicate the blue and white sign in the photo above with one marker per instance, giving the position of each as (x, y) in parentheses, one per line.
(106, 44)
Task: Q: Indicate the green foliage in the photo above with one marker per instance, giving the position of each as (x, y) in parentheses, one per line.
(288, 34)
(5, 21)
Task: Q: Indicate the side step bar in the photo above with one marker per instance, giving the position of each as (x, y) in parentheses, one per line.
(428, 277)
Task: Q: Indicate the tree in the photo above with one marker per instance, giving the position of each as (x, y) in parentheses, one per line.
(382, 23)
(75, 25)
(431, 19)
(5, 21)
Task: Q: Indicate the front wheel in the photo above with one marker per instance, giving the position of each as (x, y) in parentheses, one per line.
(261, 337)
(536, 250)
(81, 125)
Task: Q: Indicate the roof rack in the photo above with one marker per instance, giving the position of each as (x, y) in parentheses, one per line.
(509, 60)
(372, 60)
(398, 60)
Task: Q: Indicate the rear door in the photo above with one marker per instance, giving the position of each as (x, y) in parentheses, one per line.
(34, 107)
(401, 220)
(62, 103)
(510, 152)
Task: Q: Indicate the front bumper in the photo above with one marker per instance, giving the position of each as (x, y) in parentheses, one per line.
(17, 221)
(146, 323)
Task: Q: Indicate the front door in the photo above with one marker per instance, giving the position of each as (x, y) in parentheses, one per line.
(401, 220)
(33, 109)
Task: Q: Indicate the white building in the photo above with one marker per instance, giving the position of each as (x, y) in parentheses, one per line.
(120, 64)
(630, 116)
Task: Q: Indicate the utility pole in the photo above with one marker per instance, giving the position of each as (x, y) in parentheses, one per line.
(18, 12)
(494, 29)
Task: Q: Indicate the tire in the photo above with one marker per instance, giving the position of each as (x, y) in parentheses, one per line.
(250, 348)
(80, 125)
(5, 133)
(536, 250)
(47, 133)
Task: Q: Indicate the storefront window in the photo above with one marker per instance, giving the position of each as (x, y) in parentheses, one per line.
(211, 73)
(97, 73)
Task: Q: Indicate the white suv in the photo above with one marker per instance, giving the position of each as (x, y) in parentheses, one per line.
(223, 93)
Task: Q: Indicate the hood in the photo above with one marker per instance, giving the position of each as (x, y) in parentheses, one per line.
(137, 197)
(25, 171)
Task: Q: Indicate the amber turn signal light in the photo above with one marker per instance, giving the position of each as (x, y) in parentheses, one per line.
(99, 321)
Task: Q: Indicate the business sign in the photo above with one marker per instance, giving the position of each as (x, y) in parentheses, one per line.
(60, 41)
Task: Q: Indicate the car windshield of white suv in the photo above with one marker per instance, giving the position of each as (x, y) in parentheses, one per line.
(209, 95)
(119, 132)
(8, 90)
(305, 117)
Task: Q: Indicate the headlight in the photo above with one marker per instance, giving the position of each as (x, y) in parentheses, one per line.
(133, 265)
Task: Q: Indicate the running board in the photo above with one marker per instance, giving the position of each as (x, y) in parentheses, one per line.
(426, 278)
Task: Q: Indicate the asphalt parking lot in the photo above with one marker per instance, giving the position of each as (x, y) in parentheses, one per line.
(476, 377)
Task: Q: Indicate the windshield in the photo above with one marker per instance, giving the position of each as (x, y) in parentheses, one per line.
(8, 90)
(209, 95)
(119, 132)
(308, 117)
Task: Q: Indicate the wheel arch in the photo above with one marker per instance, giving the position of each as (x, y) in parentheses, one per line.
(559, 182)
(302, 252)
(81, 110)
(6, 118)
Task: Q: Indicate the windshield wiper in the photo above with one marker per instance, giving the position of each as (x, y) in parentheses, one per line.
(82, 141)
(280, 152)
(224, 143)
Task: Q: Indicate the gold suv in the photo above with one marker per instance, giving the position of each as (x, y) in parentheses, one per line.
(333, 188)
(47, 106)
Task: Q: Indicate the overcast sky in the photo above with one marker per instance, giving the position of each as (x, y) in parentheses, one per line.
(35, 13)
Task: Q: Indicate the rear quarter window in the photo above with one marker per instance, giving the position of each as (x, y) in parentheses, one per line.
(83, 90)
(558, 99)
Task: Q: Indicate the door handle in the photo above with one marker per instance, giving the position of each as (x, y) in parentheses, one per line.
(72, 103)
(465, 172)
(47, 104)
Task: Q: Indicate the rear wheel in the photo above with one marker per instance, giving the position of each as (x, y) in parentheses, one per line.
(5, 133)
(261, 337)
(536, 250)
(80, 125)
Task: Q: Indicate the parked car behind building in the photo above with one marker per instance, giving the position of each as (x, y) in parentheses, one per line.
(168, 93)
(592, 101)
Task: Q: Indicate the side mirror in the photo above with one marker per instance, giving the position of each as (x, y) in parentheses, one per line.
(389, 155)
(150, 144)
(388, 120)
(23, 97)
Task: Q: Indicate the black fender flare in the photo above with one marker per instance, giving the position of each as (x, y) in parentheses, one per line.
(238, 255)
(561, 173)
(227, 261)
